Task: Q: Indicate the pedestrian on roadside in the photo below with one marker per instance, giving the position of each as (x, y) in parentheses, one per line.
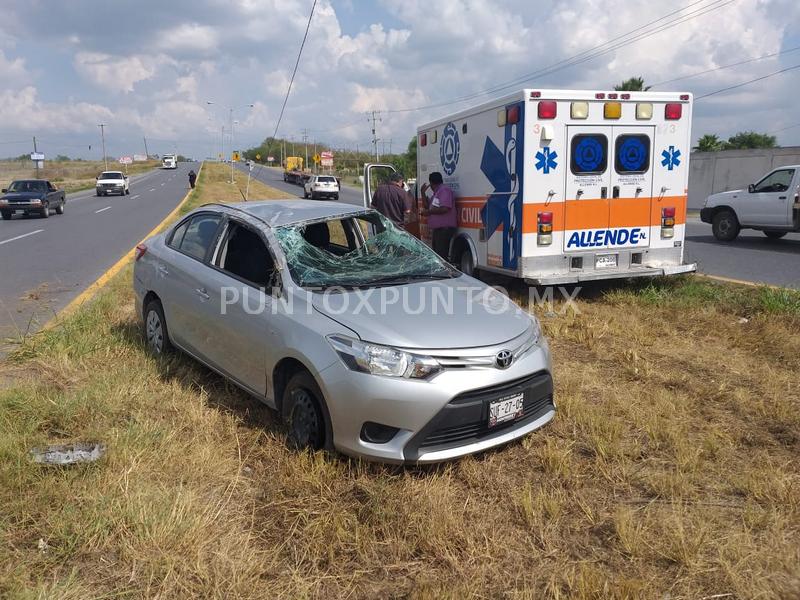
(192, 178)
(441, 212)
(392, 201)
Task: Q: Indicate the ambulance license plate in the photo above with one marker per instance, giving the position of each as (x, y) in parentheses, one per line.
(505, 409)
(605, 261)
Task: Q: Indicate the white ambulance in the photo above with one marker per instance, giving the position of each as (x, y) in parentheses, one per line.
(560, 186)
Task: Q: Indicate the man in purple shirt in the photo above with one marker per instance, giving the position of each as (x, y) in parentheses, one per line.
(440, 207)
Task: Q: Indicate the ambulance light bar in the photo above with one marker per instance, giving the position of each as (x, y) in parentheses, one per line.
(612, 110)
(644, 111)
(579, 110)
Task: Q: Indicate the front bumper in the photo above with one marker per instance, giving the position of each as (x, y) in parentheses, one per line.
(22, 206)
(629, 273)
(440, 419)
(110, 189)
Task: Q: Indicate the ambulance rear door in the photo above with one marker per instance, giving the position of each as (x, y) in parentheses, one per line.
(631, 172)
(586, 194)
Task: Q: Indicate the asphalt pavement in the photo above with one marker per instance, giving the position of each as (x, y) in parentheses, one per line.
(751, 257)
(45, 263)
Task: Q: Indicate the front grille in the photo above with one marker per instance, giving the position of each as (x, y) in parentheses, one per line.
(465, 419)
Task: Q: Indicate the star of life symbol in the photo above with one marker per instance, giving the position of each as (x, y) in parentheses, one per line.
(672, 158)
(546, 160)
(449, 149)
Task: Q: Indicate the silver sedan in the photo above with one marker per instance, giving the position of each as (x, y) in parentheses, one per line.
(354, 331)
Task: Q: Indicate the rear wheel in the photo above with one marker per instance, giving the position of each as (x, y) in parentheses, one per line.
(60, 207)
(725, 226)
(155, 328)
(303, 414)
(465, 263)
(774, 235)
(6, 215)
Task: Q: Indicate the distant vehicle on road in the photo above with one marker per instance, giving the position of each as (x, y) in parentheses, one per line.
(169, 161)
(32, 196)
(272, 296)
(112, 182)
(561, 186)
(771, 205)
(293, 173)
(321, 186)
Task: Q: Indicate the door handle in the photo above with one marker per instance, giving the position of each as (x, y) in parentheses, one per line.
(781, 197)
(163, 270)
(638, 191)
(202, 293)
(615, 192)
(604, 192)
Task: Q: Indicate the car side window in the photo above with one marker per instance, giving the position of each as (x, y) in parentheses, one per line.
(194, 236)
(244, 255)
(50, 187)
(778, 181)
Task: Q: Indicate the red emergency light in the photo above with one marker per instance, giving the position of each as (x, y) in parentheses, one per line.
(668, 213)
(600, 95)
(548, 109)
(612, 96)
(536, 94)
(512, 115)
(423, 139)
(626, 96)
(672, 111)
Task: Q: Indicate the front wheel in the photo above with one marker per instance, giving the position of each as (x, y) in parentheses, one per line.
(60, 207)
(336, 196)
(128, 191)
(774, 235)
(303, 414)
(725, 226)
(6, 215)
(155, 328)
(305, 193)
(46, 211)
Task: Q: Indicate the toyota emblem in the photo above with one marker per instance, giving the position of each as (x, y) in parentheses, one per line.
(503, 359)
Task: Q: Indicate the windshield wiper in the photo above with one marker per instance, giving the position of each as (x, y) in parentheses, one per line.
(409, 277)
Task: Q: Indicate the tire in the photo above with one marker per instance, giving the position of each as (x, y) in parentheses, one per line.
(98, 194)
(128, 192)
(304, 416)
(336, 196)
(775, 235)
(465, 263)
(6, 215)
(305, 194)
(313, 195)
(156, 334)
(60, 207)
(46, 212)
(725, 226)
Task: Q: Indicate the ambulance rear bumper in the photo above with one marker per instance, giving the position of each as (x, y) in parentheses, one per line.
(579, 276)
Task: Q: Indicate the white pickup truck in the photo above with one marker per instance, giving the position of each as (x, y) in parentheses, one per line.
(772, 205)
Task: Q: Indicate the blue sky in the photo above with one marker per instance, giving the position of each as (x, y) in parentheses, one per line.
(149, 68)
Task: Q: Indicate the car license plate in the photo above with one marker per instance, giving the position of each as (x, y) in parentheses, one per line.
(605, 261)
(505, 409)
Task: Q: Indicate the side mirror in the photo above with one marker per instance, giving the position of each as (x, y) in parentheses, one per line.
(4, 191)
(751, 188)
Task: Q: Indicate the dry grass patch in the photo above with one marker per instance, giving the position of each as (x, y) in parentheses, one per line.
(214, 185)
(69, 175)
(671, 469)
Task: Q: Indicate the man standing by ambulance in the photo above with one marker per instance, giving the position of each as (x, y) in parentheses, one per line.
(440, 208)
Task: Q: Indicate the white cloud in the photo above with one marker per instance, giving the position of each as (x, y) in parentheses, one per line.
(24, 109)
(116, 73)
(189, 37)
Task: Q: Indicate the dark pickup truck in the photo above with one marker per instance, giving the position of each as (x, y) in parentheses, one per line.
(32, 196)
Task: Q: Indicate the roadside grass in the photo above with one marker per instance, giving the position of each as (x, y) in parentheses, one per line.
(70, 175)
(213, 185)
(671, 469)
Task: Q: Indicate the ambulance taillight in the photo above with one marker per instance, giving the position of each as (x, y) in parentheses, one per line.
(672, 111)
(667, 222)
(545, 228)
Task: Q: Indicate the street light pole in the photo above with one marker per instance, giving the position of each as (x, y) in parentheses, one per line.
(230, 122)
(103, 136)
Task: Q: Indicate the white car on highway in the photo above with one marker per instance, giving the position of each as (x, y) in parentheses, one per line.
(321, 186)
(112, 182)
(771, 205)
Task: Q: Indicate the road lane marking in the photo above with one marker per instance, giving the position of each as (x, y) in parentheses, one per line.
(152, 190)
(162, 185)
(19, 237)
(102, 209)
(134, 197)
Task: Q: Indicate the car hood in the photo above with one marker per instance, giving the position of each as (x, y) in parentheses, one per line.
(452, 313)
(723, 196)
(22, 196)
(110, 181)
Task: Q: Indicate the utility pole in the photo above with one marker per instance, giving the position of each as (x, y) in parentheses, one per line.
(315, 153)
(375, 117)
(222, 144)
(305, 141)
(230, 118)
(36, 151)
(102, 127)
(146, 153)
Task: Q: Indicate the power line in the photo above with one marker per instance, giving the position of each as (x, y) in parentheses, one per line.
(784, 128)
(738, 85)
(591, 53)
(720, 68)
(294, 72)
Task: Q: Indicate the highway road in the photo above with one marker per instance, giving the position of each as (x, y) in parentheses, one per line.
(273, 177)
(47, 263)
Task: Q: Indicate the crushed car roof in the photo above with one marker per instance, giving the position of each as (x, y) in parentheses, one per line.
(286, 212)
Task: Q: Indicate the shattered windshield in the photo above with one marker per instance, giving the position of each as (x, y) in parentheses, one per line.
(360, 251)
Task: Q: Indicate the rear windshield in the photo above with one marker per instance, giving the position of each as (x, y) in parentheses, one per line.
(111, 175)
(326, 179)
(27, 186)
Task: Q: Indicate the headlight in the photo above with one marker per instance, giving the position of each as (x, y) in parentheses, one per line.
(536, 329)
(382, 360)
